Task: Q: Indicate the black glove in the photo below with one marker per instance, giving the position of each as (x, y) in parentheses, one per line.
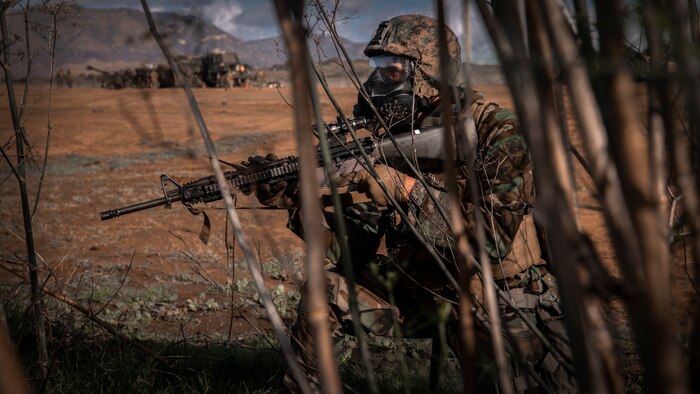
(279, 194)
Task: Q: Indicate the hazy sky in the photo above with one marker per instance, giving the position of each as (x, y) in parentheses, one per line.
(254, 19)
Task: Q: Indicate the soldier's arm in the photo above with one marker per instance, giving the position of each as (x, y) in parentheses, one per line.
(506, 191)
(505, 178)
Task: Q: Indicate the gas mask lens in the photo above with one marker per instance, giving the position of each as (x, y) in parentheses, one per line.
(391, 68)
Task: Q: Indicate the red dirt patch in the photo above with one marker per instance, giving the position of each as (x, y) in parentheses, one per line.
(108, 149)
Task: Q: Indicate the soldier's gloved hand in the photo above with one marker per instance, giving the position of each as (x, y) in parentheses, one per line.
(280, 194)
(398, 184)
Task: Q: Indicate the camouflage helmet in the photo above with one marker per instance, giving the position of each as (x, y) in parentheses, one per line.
(415, 36)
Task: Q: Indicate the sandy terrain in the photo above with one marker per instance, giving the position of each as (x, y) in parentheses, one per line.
(108, 149)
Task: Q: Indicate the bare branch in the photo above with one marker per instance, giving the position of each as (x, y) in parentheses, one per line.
(458, 226)
(275, 319)
(9, 162)
(25, 10)
(26, 215)
(290, 15)
(641, 193)
(53, 36)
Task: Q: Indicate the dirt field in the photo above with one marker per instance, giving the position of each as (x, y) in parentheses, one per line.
(108, 149)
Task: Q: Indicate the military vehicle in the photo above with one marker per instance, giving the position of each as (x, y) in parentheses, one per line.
(216, 64)
(140, 77)
(216, 68)
(115, 80)
(144, 78)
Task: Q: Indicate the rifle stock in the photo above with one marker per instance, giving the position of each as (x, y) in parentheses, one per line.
(425, 145)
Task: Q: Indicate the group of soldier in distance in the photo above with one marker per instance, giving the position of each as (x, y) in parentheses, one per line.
(214, 69)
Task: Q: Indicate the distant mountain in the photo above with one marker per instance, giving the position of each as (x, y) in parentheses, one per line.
(269, 52)
(112, 39)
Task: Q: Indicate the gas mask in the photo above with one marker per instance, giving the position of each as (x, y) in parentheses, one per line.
(390, 89)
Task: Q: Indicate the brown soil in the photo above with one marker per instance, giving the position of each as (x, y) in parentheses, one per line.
(108, 148)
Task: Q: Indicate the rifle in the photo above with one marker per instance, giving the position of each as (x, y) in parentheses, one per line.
(425, 145)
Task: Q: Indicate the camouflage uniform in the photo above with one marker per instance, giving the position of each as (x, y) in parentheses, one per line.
(389, 262)
(60, 77)
(68, 78)
(229, 80)
(260, 78)
(153, 82)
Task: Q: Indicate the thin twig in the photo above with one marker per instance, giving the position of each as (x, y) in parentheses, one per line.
(275, 319)
(25, 94)
(9, 162)
(463, 249)
(290, 17)
(49, 125)
(231, 257)
(111, 329)
(345, 253)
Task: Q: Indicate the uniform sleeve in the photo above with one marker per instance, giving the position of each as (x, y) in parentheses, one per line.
(504, 172)
(506, 191)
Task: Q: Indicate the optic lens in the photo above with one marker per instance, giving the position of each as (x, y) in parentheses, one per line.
(391, 67)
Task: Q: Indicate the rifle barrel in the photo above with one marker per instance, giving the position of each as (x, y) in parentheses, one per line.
(113, 213)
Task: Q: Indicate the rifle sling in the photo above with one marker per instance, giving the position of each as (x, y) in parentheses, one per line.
(206, 225)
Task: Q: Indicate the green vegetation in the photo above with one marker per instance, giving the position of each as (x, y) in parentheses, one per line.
(167, 346)
(105, 365)
(86, 359)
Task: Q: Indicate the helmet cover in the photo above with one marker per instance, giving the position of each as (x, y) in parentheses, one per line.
(415, 37)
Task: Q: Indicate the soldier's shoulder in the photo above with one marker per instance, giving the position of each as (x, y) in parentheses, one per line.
(476, 98)
(496, 126)
(487, 109)
(487, 114)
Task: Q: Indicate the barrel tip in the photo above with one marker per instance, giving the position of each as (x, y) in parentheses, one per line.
(112, 213)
